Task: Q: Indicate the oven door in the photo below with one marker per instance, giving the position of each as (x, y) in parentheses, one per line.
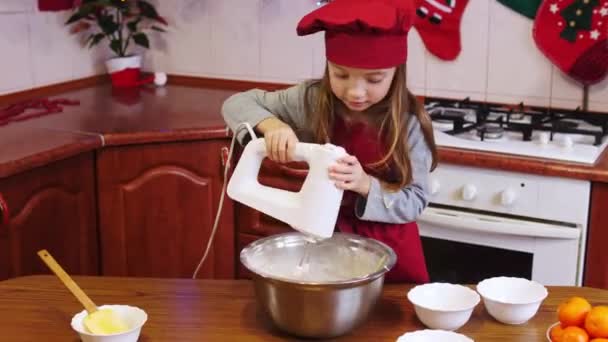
(465, 247)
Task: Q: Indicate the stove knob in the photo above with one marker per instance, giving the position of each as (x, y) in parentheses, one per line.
(507, 197)
(567, 142)
(543, 138)
(469, 192)
(435, 186)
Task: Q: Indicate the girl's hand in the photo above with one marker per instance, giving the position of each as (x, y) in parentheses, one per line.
(349, 175)
(280, 140)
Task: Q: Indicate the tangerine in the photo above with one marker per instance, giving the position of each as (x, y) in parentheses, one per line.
(573, 312)
(596, 322)
(599, 340)
(574, 334)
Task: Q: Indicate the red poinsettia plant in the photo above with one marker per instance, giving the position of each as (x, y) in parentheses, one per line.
(119, 21)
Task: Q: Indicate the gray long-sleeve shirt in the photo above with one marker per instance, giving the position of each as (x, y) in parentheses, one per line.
(381, 205)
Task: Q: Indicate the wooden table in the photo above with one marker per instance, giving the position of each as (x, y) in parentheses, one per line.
(39, 308)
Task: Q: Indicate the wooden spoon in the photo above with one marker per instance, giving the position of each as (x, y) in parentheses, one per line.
(100, 322)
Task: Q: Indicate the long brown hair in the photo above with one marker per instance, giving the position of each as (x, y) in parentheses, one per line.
(392, 122)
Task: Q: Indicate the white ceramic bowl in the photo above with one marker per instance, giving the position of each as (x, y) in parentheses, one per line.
(443, 306)
(511, 300)
(133, 316)
(549, 331)
(433, 336)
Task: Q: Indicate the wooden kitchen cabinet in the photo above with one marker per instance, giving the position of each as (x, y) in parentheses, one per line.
(157, 204)
(596, 268)
(51, 207)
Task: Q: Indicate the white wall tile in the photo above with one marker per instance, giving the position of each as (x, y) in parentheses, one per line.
(517, 69)
(467, 75)
(318, 54)
(514, 99)
(416, 63)
(256, 40)
(285, 55)
(599, 107)
(598, 96)
(50, 43)
(565, 92)
(455, 94)
(235, 37)
(15, 73)
(186, 47)
(14, 6)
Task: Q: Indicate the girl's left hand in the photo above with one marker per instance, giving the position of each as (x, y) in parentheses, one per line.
(349, 175)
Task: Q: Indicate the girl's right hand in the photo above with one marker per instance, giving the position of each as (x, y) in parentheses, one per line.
(280, 140)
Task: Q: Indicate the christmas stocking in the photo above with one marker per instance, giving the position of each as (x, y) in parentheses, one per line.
(55, 5)
(438, 23)
(524, 7)
(573, 34)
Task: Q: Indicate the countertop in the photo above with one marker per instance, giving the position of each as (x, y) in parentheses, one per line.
(39, 308)
(112, 117)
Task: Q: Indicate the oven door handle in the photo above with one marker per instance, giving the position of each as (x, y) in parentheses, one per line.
(494, 225)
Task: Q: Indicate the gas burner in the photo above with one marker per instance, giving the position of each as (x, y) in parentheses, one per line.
(563, 125)
(447, 114)
(569, 135)
(490, 132)
(453, 114)
(518, 116)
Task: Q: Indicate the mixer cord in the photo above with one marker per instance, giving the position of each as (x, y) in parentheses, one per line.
(221, 202)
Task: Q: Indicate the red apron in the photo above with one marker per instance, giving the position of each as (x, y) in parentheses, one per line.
(362, 141)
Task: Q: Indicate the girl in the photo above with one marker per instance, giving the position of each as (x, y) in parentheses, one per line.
(363, 105)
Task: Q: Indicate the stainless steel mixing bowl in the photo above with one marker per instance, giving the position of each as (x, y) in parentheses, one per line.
(317, 309)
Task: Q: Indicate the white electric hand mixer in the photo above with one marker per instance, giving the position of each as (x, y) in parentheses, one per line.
(313, 210)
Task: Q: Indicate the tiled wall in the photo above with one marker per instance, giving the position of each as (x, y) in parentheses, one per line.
(256, 40)
(36, 48)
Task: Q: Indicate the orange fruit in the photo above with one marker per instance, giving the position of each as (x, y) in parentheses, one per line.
(556, 333)
(599, 340)
(596, 322)
(574, 334)
(573, 312)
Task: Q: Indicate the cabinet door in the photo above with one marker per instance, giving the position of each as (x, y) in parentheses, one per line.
(596, 271)
(53, 208)
(157, 204)
(4, 252)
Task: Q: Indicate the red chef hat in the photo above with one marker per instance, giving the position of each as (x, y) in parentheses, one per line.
(369, 34)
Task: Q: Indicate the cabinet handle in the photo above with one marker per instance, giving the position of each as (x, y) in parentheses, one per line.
(4, 213)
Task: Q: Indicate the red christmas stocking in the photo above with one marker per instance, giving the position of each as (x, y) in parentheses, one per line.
(55, 5)
(438, 23)
(573, 34)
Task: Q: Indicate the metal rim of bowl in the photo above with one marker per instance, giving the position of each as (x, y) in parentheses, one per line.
(388, 265)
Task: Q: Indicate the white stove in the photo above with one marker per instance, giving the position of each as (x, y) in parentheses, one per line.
(483, 223)
(571, 136)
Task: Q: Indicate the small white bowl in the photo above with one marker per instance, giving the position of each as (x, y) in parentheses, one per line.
(433, 336)
(133, 316)
(549, 331)
(443, 306)
(511, 300)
